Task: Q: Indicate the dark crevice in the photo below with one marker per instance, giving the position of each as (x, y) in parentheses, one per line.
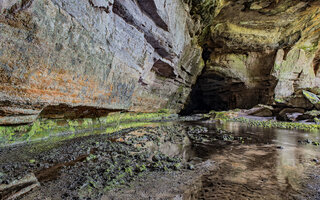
(122, 12)
(18, 7)
(195, 102)
(184, 70)
(246, 6)
(163, 69)
(103, 8)
(206, 53)
(295, 81)
(316, 62)
(149, 7)
(157, 46)
(286, 51)
(64, 111)
(141, 81)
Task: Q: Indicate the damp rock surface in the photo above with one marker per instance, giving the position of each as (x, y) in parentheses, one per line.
(256, 52)
(83, 58)
(67, 59)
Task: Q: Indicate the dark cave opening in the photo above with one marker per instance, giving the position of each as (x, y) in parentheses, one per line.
(216, 91)
(213, 91)
(232, 80)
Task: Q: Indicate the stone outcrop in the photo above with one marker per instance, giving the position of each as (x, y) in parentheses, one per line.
(87, 58)
(290, 114)
(66, 58)
(261, 111)
(258, 51)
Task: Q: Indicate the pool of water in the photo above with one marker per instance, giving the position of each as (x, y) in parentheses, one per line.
(266, 164)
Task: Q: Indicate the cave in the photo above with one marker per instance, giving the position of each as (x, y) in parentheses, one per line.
(219, 93)
(232, 80)
(154, 99)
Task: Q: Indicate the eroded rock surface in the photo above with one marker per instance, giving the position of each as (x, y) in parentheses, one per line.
(97, 56)
(257, 52)
(93, 57)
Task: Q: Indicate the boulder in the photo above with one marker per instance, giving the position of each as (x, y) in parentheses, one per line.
(310, 115)
(261, 111)
(290, 114)
(312, 98)
(299, 101)
(296, 100)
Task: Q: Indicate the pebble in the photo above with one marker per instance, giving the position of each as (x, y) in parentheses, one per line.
(190, 166)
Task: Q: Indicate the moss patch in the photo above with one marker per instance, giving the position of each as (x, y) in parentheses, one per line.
(223, 115)
(311, 97)
(233, 116)
(277, 124)
(44, 128)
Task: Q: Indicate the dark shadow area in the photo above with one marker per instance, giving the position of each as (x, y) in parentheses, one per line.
(163, 69)
(219, 88)
(63, 111)
(213, 91)
(149, 7)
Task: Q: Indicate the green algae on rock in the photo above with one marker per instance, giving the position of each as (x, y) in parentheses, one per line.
(236, 116)
(313, 98)
(44, 128)
(277, 124)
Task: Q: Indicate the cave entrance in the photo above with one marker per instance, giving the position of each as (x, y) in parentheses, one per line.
(214, 91)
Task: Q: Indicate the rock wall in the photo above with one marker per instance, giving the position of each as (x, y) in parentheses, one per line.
(86, 58)
(78, 58)
(258, 51)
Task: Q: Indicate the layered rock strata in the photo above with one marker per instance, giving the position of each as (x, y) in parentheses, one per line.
(258, 51)
(70, 59)
(84, 58)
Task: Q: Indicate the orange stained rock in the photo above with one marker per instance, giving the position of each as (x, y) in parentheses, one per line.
(120, 140)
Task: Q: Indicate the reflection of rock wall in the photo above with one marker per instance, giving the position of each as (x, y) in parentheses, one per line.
(94, 53)
(259, 50)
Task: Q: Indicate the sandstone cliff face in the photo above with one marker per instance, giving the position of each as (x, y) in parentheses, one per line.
(258, 51)
(86, 58)
(77, 58)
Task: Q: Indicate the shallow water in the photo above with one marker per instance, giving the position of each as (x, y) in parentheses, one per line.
(268, 164)
(252, 163)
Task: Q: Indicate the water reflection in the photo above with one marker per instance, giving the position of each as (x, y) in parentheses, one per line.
(271, 164)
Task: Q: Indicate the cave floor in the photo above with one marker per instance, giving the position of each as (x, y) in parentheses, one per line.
(172, 160)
